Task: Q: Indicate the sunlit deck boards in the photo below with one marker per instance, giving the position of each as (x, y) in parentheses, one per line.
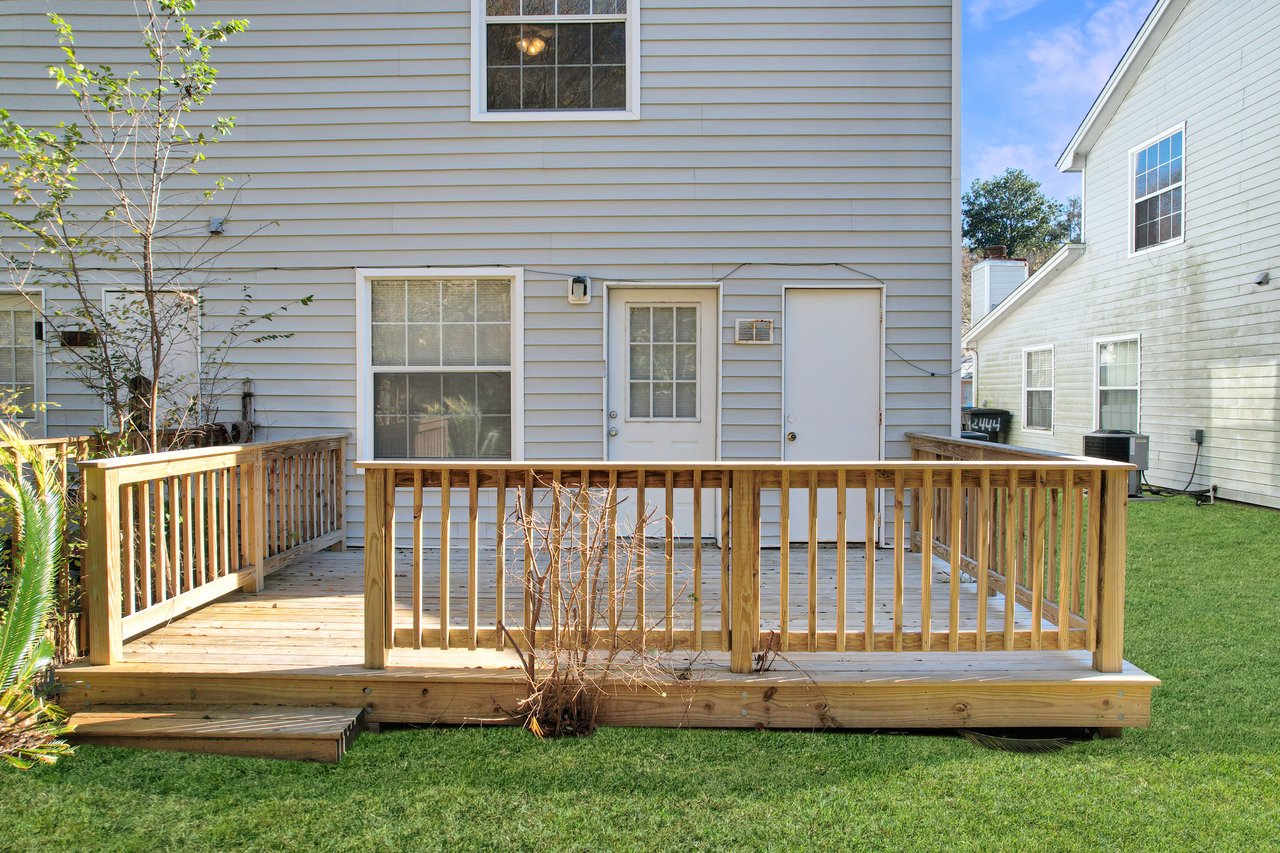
(300, 642)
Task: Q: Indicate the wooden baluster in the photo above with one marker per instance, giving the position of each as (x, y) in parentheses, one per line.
(670, 554)
(784, 562)
(500, 569)
(869, 640)
(531, 629)
(1052, 562)
(1064, 564)
(216, 568)
(957, 536)
(175, 537)
(556, 543)
(161, 543)
(225, 518)
(611, 513)
(1038, 557)
(188, 523)
(584, 559)
(446, 484)
(899, 555)
(202, 530)
(642, 545)
(416, 562)
(842, 536)
(926, 560)
(473, 566)
(813, 562)
(984, 555)
(127, 551)
(1077, 547)
(726, 599)
(1013, 510)
(697, 560)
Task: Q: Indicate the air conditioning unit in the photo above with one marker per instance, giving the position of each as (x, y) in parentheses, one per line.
(1121, 445)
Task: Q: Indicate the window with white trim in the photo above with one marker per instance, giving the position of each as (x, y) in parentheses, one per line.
(18, 359)
(1158, 178)
(1037, 388)
(1119, 368)
(555, 56)
(441, 355)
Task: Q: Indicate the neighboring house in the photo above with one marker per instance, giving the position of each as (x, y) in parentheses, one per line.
(620, 229)
(1166, 320)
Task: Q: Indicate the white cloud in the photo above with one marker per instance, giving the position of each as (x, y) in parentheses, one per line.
(1076, 59)
(982, 12)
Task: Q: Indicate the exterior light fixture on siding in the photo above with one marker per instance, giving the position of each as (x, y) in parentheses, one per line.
(580, 290)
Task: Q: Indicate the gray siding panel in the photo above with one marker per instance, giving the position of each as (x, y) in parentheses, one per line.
(831, 143)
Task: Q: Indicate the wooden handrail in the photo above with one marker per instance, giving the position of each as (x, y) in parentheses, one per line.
(1039, 532)
(170, 532)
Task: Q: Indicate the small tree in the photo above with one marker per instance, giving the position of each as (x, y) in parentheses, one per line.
(1011, 210)
(110, 211)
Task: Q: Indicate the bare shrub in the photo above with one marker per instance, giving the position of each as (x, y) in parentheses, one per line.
(584, 632)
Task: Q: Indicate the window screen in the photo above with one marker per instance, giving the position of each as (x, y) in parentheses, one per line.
(1038, 382)
(1118, 371)
(1158, 174)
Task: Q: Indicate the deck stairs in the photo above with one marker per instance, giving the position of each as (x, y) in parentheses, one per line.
(297, 734)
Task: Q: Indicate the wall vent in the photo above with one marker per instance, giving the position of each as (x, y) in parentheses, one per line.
(755, 332)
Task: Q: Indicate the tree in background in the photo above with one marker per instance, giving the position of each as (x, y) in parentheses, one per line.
(112, 214)
(1011, 210)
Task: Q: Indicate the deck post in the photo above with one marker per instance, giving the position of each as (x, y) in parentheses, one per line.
(1113, 506)
(376, 641)
(102, 566)
(257, 506)
(744, 572)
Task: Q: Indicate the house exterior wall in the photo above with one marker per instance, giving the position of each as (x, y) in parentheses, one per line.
(775, 136)
(1210, 337)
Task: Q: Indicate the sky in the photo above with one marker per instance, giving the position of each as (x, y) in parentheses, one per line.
(1032, 69)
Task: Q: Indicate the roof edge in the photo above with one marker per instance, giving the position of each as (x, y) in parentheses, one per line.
(1150, 34)
(1063, 258)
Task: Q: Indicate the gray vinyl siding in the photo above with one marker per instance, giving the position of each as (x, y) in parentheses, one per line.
(830, 141)
(1209, 335)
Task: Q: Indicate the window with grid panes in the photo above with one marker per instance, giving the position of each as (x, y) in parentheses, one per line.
(1038, 385)
(1158, 180)
(555, 55)
(1118, 373)
(662, 363)
(441, 355)
(18, 358)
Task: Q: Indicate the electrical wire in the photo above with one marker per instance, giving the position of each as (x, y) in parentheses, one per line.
(1185, 490)
(722, 279)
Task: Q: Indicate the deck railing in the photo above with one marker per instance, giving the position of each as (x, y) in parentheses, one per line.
(170, 532)
(1000, 511)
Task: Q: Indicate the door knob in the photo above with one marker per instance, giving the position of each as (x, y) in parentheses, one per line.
(791, 436)
(613, 432)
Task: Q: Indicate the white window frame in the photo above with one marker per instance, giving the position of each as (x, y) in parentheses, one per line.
(479, 73)
(1130, 176)
(1052, 389)
(37, 420)
(364, 346)
(1097, 377)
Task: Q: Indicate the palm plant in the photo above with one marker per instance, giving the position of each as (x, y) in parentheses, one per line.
(31, 729)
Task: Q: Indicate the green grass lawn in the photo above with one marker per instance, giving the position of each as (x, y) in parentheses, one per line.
(1203, 615)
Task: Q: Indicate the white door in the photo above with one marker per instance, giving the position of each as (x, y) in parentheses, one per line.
(662, 379)
(832, 362)
(22, 362)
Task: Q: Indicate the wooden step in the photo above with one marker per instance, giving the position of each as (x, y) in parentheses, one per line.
(255, 731)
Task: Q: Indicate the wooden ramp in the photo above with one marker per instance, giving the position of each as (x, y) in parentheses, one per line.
(297, 734)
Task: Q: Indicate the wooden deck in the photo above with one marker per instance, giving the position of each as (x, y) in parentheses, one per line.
(301, 642)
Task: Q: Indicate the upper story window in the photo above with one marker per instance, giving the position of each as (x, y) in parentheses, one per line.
(540, 59)
(1158, 171)
(1037, 388)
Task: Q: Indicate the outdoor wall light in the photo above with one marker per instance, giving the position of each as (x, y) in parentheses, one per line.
(580, 290)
